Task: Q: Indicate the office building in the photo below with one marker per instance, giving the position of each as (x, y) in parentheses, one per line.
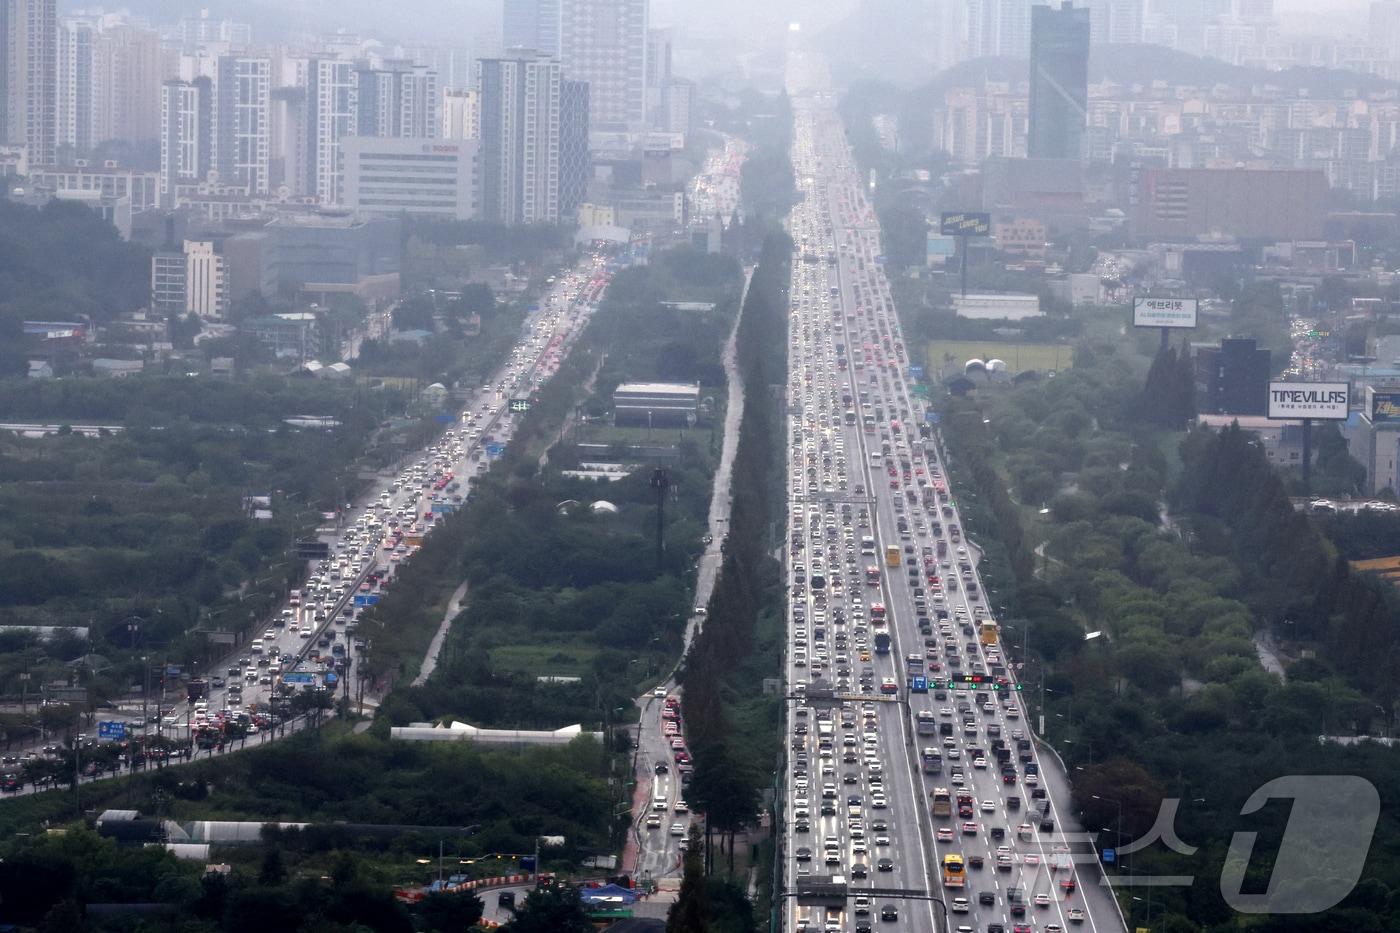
(1232, 378)
(575, 164)
(332, 104)
(604, 42)
(29, 47)
(187, 135)
(242, 119)
(1059, 81)
(520, 127)
(325, 253)
(677, 107)
(658, 64)
(427, 177)
(168, 282)
(461, 114)
(531, 24)
(1267, 204)
(400, 100)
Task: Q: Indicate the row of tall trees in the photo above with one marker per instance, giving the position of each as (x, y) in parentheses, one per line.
(718, 669)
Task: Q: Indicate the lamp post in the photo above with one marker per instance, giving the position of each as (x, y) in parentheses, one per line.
(1119, 832)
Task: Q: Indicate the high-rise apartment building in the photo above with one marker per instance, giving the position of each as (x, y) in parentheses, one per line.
(1116, 21)
(998, 27)
(332, 103)
(520, 127)
(1059, 81)
(461, 114)
(78, 91)
(400, 100)
(29, 48)
(531, 24)
(242, 105)
(289, 132)
(604, 42)
(1384, 26)
(187, 135)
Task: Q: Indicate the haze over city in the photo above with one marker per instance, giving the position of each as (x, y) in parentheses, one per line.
(636, 465)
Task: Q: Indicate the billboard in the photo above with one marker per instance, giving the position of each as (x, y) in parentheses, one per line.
(1165, 312)
(965, 223)
(1328, 401)
(111, 730)
(1383, 405)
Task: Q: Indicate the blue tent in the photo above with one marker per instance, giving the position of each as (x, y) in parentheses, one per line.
(609, 894)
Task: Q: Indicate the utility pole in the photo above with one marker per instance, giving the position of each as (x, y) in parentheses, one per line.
(661, 482)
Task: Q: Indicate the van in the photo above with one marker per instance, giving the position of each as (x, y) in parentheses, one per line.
(257, 646)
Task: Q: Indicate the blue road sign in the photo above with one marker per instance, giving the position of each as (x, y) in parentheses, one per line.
(444, 508)
(916, 372)
(931, 417)
(372, 599)
(331, 678)
(298, 677)
(445, 419)
(918, 684)
(360, 600)
(495, 449)
(880, 259)
(1110, 856)
(111, 730)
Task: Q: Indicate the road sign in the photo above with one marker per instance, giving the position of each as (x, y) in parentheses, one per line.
(918, 684)
(881, 259)
(495, 449)
(298, 677)
(520, 405)
(111, 730)
(445, 419)
(916, 371)
(366, 599)
(1110, 856)
(931, 417)
(331, 678)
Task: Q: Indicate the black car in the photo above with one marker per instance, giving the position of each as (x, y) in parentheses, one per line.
(859, 870)
(804, 854)
(986, 897)
(889, 912)
(885, 864)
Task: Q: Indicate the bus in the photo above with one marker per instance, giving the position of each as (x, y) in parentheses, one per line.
(925, 722)
(932, 761)
(953, 874)
(877, 612)
(942, 802)
(988, 632)
(872, 575)
(892, 555)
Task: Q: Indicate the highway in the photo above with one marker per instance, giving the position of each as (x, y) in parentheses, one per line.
(875, 532)
(312, 636)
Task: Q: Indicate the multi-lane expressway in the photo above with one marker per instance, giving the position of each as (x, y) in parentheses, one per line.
(885, 588)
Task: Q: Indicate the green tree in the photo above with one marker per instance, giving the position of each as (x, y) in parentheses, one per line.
(273, 870)
(449, 912)
(550, 910)
(691, 911)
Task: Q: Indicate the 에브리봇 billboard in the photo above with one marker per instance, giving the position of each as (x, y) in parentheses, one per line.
(1328, 401)
(1164, 312)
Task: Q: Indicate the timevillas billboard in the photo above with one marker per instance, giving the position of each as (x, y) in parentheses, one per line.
(1327, 401)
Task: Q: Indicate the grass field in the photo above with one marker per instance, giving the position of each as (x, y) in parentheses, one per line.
(556, 660)
(1019, 357)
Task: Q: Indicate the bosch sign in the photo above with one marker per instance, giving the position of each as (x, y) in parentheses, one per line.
(1328, 401)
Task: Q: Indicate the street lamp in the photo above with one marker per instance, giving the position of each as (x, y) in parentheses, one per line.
(1119, 804)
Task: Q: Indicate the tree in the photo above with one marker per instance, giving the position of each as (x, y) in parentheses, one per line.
(550, 910)
(273, 870)
(691, 911)
(449, 912)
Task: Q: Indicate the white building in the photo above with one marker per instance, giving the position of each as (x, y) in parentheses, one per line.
(332, 99)
(29, 54)
(461, 114)
(186, 135)
(206, 280)
(435, 177)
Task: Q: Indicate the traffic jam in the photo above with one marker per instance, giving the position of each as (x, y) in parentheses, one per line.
(909, 755)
